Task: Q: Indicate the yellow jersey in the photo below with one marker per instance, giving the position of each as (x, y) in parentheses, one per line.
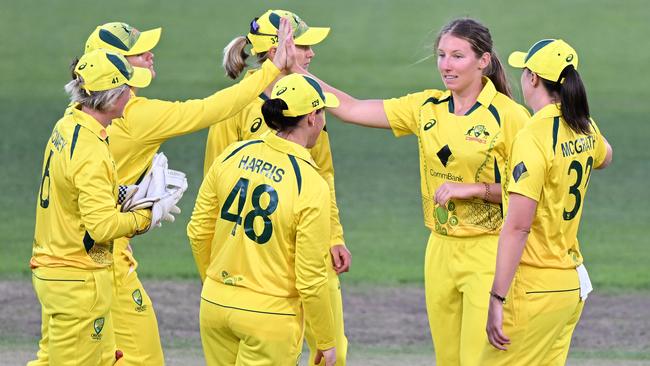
(261, 223)
(463, 149)
(551, 164)
(76, 214)
(249, 124)
(148, 123)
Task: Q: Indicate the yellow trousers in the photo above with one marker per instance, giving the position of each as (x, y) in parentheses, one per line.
(134, 319)
(76, 323)
(458, 274)
(245, 336)
(542, 309)
(337, 311)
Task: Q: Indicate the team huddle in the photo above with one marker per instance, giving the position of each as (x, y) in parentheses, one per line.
(502, 194)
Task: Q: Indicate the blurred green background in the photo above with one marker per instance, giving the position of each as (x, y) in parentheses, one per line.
(376, 49)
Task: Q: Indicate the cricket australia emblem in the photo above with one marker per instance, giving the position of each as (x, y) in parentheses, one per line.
(137, 298)
(98, 325)
(477, 133)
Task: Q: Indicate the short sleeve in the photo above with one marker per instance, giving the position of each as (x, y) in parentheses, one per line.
(403, 113)
(514, 121)
(528, 166)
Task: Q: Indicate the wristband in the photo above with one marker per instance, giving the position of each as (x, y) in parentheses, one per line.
(487, 191)
(498, 297)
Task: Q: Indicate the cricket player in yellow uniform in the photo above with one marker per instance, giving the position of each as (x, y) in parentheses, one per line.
(77, 218)
(464, 134)
(249, 124)
(135, 139)
(260, 237)
(541, 282)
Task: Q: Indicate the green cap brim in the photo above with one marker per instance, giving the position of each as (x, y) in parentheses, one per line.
(517, 59)
(141, 77)
(146, 42)
(312, 36)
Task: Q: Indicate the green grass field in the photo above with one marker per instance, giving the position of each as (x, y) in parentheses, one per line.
(371, 52)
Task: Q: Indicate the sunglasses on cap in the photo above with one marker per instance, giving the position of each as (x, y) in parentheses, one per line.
(255, 29)
(299, 27)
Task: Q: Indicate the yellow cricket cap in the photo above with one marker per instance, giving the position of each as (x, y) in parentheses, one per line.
(103, 70)
(122, 38)
(546, 58)
(263, 33)
(302, 95)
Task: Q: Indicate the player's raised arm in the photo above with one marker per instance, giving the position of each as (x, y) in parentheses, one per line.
(363, 112)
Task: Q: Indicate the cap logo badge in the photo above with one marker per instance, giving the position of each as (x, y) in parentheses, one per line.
(281, 91)
(569, 58)
(315, 103)
(82, 66)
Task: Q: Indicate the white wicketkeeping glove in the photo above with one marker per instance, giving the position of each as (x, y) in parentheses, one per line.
(164, 208)
(159, 184)
(151, 188)
(175, 181)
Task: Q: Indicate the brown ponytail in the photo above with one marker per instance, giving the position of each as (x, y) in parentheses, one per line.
(497, 74)
(573, 99)
(480, 39)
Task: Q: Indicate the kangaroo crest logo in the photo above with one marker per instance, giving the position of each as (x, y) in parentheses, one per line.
(229, 279)
(137, 297)
(98, 325)
(477, 133)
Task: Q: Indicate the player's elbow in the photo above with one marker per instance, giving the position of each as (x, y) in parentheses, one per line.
(608, 158)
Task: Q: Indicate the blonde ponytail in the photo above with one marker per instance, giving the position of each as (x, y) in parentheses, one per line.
(234, 57)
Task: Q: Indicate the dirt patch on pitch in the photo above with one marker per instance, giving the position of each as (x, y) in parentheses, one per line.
(375, 317)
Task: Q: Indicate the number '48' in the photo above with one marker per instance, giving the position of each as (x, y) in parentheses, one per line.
(241, 190)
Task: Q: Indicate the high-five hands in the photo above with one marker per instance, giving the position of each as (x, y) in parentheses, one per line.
(285, 54)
